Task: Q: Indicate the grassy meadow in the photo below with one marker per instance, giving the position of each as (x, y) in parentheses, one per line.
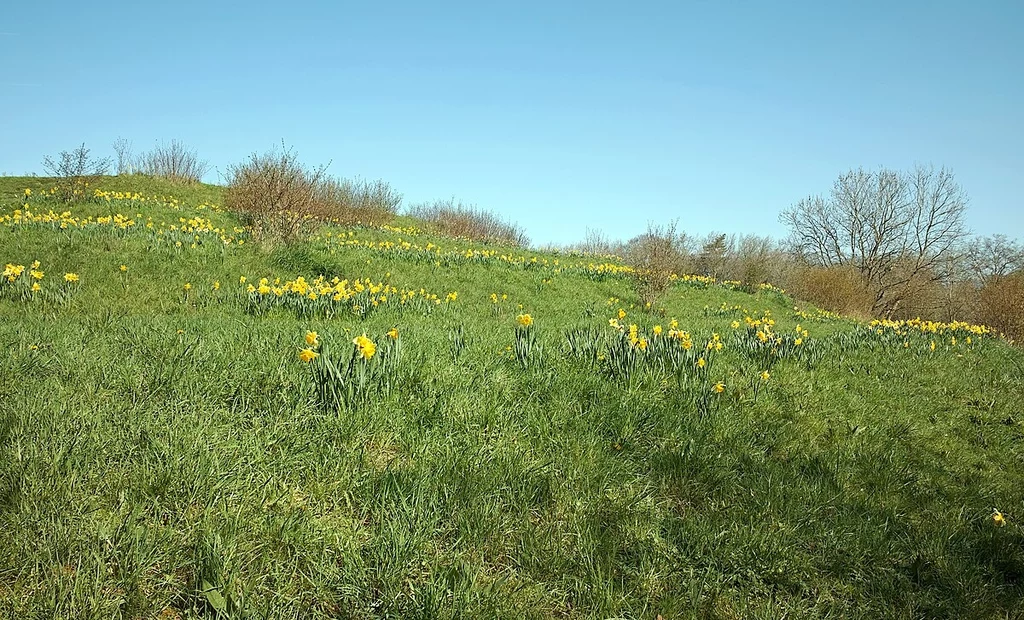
(521, 439)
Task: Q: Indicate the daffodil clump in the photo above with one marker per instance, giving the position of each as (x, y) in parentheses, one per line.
(328, 298)
(633, 351)
(345, 378)
(525, 349)
(18, 283)
(765, 346)
(184, 233)
(920, 336)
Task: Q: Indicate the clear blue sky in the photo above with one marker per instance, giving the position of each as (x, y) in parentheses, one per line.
(560, 116)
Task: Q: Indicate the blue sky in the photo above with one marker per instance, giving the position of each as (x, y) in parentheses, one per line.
(560, 116)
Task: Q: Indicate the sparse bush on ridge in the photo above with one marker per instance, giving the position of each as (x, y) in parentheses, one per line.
(74, 171)
(173, 161)
(348, 201)
(455, 219)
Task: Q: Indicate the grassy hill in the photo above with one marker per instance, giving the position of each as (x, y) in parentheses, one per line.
(165, 453)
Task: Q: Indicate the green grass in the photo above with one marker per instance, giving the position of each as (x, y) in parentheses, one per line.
(164, 455)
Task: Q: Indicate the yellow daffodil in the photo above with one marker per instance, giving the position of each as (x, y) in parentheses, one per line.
(123, 268)
(308, 355)
(998, 519)
(622, 314)
(657, 330)
(312, 339)
(393, 333)
(525, 320)
(366, 346)
(71, 277)
(718, 387)
(765, 375)
(701, 363)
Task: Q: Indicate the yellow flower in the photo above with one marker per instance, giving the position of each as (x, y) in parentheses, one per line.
(241, 279)
(188, 286)
(35, 264)
(123, 268)
(36, 288)
(37, 275)
(28, 192)
(642, 344)
(735, 324)
(366, 346)
(798, 341)
(71, 277)
(718, 387)
(932, 346)
(525, 320)
(312, 339)
(622, 314)
(393, 333)
(701, 363)
(657, 330)
(216, 285)
(765, 375)
(998, 519)
(308, 355)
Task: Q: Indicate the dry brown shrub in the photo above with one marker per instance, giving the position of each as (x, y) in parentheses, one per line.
(281, 198)
(345, 201)
(838, 289)
(1001, 304)
(274, 193)
(452, 218)
(655, 256)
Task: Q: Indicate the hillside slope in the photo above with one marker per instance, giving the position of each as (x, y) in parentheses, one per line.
(510, 445)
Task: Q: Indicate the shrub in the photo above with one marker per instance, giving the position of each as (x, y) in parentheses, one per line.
(345, 201)
(73, 172)
(655, 256)
(1001, 303)
(275, 194)
(279, 197)
(174, 162)
(838, 289)
(455, 219)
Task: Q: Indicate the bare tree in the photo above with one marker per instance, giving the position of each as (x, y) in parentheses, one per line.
(994, 256)
(896, 228)
(123, 151)
(73, 172)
